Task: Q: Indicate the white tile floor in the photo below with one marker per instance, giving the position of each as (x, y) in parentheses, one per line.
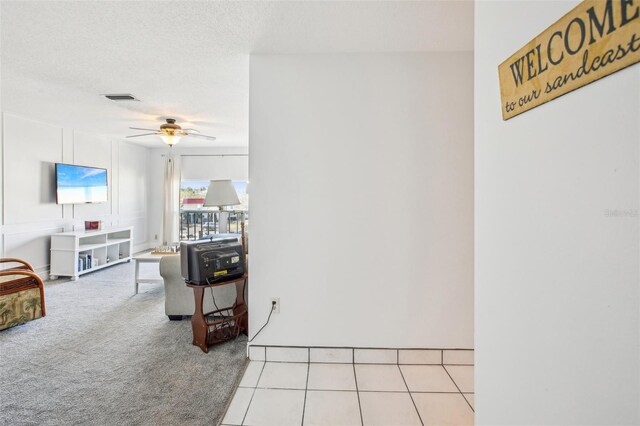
(296, 393)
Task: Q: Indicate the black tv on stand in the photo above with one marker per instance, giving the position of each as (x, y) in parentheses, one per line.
(211, 260)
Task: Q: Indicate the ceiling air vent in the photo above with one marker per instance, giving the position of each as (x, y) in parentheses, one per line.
(121, 97)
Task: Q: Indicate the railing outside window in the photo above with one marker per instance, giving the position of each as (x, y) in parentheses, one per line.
(196, 224)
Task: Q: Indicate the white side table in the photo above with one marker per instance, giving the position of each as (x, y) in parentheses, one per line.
(147, 258)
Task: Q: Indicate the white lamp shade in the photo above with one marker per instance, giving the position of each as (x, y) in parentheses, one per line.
(221, 193)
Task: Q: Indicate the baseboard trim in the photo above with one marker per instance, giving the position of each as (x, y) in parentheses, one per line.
(353, 355)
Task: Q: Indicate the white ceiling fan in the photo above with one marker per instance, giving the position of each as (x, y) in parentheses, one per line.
(171, 133)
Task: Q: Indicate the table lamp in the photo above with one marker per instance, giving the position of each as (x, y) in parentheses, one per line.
(221, 193)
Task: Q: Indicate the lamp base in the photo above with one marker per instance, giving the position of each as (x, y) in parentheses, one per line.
(223, 221)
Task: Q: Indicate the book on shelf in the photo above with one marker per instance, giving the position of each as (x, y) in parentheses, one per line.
(84, 261)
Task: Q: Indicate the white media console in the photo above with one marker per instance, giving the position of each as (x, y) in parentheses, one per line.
(79, 252)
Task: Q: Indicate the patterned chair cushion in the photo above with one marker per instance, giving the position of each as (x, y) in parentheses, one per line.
(21, 300)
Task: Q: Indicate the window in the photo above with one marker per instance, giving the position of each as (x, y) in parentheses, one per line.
(196, 220)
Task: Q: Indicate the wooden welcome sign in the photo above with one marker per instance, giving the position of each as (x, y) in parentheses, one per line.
(595, 39)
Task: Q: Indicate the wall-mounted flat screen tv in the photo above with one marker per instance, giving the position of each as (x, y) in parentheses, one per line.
(79, 184)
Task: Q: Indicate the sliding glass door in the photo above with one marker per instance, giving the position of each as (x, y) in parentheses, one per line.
(196, 220)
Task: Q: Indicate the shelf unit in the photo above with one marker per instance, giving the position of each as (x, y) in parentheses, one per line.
(79, 252)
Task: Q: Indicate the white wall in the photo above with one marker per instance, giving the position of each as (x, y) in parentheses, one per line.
(557, 300)
(29, 210)
(361, 173)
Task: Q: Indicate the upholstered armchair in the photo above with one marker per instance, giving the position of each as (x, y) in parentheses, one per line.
(179, 299)
(21, 293)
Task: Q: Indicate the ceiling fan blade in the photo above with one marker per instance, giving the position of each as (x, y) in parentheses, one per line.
(140, 128)
(211, 138)
(191, 130)
(144, 134)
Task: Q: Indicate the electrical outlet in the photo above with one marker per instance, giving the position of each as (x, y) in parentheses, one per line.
(275, 305)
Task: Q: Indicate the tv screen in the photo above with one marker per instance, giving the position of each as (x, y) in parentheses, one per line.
(78, 184)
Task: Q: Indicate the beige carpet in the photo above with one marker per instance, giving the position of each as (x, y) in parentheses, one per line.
(103, 356)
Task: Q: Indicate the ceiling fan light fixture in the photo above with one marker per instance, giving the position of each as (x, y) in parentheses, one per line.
(170, 139)
(171, 133)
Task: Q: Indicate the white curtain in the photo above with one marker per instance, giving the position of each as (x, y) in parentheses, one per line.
(171, 210)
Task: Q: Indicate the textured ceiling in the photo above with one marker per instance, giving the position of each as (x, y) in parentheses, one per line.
(187, 59)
